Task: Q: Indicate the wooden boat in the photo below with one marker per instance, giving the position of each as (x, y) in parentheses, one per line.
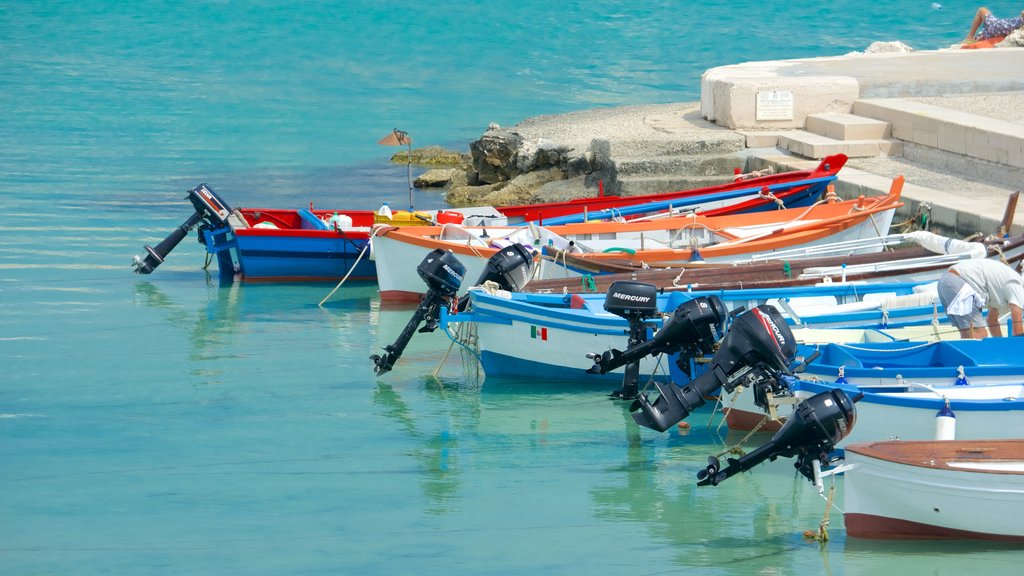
(660, 243)
(903, 257)
(272, 244)
(550, 335)
(963, 489)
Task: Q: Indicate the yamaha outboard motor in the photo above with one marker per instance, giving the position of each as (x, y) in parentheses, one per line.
(443, 273)
(510, 268)
(693, 328)
(209, 209)
(755, 352)
(811, 432)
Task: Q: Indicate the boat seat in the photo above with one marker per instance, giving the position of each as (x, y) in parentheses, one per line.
(310, 220)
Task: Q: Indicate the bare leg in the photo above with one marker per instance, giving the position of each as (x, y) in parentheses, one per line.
(1017, 320)
(979, 17)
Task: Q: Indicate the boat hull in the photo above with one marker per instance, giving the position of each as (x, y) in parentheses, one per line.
(951, 489)
(312, 256)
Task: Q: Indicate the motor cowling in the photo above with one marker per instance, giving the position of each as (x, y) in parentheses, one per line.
(631, 299)
(509, 268)
(442, 272)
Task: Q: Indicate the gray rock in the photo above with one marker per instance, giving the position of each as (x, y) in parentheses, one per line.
(440, 178)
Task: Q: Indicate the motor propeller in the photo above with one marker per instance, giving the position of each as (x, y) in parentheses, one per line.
(756, 351)
(814, 429)
(209, 209)
(693, 328)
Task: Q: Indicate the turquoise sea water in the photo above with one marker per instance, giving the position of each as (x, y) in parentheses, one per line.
(169, 425)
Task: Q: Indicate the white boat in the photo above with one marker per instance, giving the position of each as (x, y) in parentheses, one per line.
(658, 243)
(935, 489)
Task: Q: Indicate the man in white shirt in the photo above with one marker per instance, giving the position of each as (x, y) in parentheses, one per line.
(969, 286)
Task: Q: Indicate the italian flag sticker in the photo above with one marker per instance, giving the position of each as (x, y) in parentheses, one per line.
(536, 332)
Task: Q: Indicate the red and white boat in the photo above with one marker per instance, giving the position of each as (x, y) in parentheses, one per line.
(964, 489)
(654, 243)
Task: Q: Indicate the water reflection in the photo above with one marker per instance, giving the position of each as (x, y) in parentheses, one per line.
(436, 446)
(235, 322)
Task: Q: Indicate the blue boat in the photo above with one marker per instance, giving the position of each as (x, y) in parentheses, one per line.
(550, 335)
(895, 366)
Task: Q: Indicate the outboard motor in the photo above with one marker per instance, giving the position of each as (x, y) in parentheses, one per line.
(693, 328)
(510, 268)
(811, 432)
(443, 273)
(756, 352)
(209, 209)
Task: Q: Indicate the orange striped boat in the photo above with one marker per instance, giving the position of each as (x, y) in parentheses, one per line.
(651, 243)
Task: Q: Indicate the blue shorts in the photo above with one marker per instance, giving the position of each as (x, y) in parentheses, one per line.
(992, 26)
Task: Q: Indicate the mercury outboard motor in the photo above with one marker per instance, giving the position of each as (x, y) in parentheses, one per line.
(443, 273)
(756, 351)
(693, 328)
(209, 209)
(811, 432)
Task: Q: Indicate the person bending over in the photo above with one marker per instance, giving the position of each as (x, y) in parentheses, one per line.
(967, 287)
(991, 26)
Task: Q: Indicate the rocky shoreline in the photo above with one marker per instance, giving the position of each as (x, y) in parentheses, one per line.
(623, 150)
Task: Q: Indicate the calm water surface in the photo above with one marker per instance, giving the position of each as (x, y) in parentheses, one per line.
(169, 425)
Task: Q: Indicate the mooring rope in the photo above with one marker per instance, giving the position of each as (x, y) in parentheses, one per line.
(350, 270)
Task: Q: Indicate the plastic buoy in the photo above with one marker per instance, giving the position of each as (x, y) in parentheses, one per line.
(945, 424)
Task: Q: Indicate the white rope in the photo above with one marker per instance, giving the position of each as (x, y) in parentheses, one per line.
(354, 264)
(908, 349)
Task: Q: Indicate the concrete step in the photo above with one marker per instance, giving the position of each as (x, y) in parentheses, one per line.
(953, 131)
(811, 145)
(847, 126)
(955, 205)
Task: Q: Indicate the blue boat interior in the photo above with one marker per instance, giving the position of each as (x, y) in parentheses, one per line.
(934, 354)
(989, 356)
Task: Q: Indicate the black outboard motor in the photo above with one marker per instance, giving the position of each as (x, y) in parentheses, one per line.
(756, 351)
(443, 273)
(510, 268)
(693, 328)
(811, 432)
(209, 209)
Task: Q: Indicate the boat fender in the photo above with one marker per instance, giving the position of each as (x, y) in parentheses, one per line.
(945, 423)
